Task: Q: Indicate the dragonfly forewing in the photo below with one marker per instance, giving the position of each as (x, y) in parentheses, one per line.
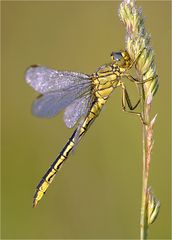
(44, 80)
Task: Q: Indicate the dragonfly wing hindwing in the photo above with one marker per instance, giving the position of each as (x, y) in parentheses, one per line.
(75, 110)
(50, 104)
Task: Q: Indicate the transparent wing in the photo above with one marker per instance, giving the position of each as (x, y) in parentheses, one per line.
(88, 104)
(50, 104)
(75, 110)
(45, 80)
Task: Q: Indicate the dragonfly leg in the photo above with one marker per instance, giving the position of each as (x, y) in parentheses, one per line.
(132, 79)
(127, 102)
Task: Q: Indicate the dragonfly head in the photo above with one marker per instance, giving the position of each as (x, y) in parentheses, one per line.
(121, 59)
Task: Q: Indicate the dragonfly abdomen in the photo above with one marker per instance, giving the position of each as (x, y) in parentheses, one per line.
(50, 174)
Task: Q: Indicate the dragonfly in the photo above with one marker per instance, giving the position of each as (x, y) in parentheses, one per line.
(82, 96)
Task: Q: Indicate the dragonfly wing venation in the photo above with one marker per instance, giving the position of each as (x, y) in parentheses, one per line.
(45, 80)
(58, 88)
(50, 104)
(75, 110)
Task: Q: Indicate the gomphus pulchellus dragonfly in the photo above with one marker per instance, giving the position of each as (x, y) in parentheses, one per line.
(82, 96)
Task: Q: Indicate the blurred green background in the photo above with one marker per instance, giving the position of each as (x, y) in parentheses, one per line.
(97, 193)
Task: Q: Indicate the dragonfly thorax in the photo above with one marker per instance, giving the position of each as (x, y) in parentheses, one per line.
(107, 77)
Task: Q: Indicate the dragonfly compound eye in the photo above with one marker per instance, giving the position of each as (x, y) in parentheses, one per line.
(116, 56)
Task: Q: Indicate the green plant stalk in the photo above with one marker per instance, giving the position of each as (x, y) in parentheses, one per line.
(145, 113)
(147, 141)
(145, 175)
(138, 41)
